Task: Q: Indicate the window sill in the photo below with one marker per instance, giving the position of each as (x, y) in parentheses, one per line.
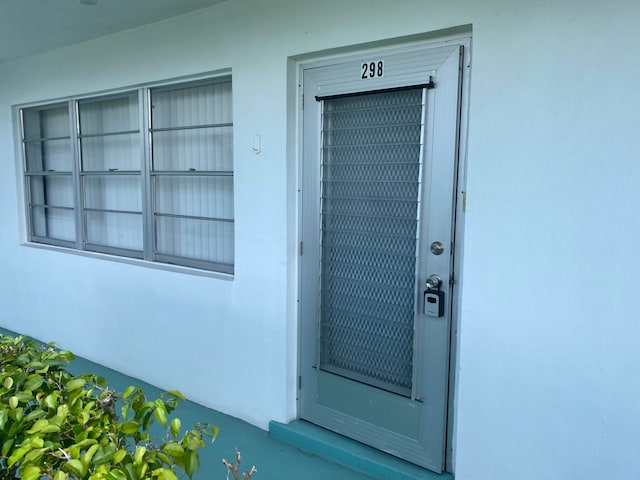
(133, 261)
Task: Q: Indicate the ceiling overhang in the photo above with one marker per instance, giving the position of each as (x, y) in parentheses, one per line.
(31, 27)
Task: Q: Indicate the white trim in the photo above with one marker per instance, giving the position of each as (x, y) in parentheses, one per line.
(459, 228)
(132, 261)
(324, 58)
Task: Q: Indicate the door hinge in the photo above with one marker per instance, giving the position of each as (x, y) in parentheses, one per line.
(300, 248)
(302, 102)
(299, 382)
(451, 280)
(464, 202)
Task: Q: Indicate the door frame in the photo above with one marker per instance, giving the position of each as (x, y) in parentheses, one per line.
(298, 64)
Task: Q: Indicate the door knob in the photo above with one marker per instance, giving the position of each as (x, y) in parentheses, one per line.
(433, 282)
(437, 248)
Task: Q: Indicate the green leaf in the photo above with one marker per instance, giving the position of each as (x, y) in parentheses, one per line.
(4, 415)
(66, 354)
(34, 455)
(100, 381)
(147, 420)
(165, 459)
(62, 412)
(128, 392)
(129, 428)
(33, 383)
(88, 455)
(161, 415)
(174, 449)
(75, 466)
(60, 475)
(176, 393)
(137, 457)
(191, 461)
(51, 428)
(131, 474)
(212, 432)
(74, 452)
(119, 456)
(34, 365)
(104, 454)
(142, 469)
(83, 418)
(6, 446)
(142, 409)
(167, 474)
(175, 426)
(17, 455)
(34, 415)
(24, 396)
(75, 384)
(39, 425)
(87, 442)
(17, 415)
(51, 401)
(193, 440)
(35, 442)
(115, 474)
(31, 473)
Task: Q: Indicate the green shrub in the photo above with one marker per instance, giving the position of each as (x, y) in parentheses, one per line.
(57, 425)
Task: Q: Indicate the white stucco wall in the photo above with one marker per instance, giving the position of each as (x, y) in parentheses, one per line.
(547, 381)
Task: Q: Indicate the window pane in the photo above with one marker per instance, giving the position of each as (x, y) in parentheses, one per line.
(199, 138)
(53, 223)
(46, 122)
(51, 155)
(47, 146)
(55, 190)
(109, 115)
(191, 106)
(121, 230)
(113, 192)
(195, 196)
(114, 152)
(198, 239)
(201, 149)
(47, 139)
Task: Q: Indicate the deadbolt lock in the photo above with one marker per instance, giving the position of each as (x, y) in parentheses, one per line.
(437, 248)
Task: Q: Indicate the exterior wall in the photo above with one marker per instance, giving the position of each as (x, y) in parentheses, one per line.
(547, 364)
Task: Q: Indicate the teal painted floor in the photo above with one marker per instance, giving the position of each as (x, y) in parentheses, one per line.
(275, 459)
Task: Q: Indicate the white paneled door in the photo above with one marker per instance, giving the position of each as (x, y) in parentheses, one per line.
(380, 150)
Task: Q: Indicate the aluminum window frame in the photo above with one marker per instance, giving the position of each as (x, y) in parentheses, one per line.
(146, 174)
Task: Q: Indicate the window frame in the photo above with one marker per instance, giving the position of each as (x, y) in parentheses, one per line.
(149, 254)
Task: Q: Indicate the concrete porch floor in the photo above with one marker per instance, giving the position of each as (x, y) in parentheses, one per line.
(282, 454)
(275, 460)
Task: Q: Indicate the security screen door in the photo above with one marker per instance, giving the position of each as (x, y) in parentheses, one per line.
(380, 137)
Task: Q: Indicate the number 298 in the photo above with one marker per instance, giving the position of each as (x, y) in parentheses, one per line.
(372, 69)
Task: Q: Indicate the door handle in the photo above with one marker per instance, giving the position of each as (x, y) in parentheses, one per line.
(433, 282)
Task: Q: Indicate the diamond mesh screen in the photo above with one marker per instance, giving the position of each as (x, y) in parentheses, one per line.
(370, 186)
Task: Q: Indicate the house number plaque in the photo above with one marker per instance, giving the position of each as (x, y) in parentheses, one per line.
(373, 69)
